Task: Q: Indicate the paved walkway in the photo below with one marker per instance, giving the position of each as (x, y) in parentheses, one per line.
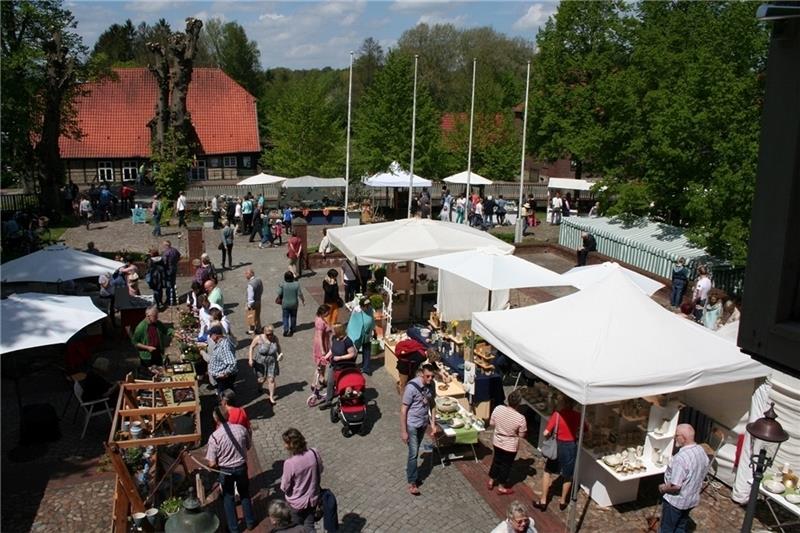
(365, 472)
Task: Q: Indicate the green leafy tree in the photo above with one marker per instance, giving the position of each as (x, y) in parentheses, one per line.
(496, 143)
(307, 131)
(369, 60)
(42, 67)
(117, 45)
(226, 45)
(382, 123)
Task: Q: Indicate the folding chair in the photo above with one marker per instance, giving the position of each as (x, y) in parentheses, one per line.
(92, 408)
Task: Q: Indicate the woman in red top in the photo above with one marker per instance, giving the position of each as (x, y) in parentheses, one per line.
(565, 423)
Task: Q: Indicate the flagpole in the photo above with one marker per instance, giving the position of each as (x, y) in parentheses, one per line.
(469, 150)
(520, 226)
(413, 136)
(347, 156)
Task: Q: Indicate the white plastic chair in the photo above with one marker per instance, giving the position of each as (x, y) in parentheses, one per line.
(91, 409)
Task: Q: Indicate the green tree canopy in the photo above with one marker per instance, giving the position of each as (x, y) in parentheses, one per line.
(382, 122)
(226, 45)
(306, 131)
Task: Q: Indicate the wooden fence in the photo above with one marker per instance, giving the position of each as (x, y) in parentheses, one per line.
(18, 202)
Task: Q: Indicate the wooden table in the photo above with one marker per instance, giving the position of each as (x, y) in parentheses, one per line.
(390, 360)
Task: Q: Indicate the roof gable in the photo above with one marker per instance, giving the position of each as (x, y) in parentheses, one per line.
(114, 114)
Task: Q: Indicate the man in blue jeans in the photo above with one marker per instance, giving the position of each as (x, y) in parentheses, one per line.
(227, 452)
(683, 481)
(415, 414)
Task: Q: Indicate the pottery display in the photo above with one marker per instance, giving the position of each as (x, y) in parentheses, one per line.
(775, 487)
(793, 498)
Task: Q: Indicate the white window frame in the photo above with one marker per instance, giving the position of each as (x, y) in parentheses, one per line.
(247, 161)
(229, 161)
(103, 168)
(130, 171)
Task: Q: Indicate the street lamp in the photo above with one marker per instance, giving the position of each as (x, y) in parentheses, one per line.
(766, 437)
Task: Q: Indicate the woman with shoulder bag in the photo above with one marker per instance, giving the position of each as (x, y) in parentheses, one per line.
(265, 361)
(564, 425)
(300, 481)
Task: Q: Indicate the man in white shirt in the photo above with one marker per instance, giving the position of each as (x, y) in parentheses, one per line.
(215, 211)
(555, 209)
(180, 205)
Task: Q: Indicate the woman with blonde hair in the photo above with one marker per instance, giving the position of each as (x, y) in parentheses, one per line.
(265, 360)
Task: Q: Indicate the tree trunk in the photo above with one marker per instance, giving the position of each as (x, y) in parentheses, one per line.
(161, 72)
(182, 50)
(59, 74)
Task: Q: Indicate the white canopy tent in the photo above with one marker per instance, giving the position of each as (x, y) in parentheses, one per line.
(57, 263)
(485, 275)
(32, 319)
(396, 176)
(569, 184)
(313, 182)
(586, 276)
(474, 179)
(410, 239)
(261, 179)
(622, 345)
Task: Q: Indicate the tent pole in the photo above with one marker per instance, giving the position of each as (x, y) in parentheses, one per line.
(576, 483)
(414, 300)
(490, 300)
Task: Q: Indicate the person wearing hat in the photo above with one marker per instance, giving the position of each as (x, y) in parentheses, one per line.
(222, 366)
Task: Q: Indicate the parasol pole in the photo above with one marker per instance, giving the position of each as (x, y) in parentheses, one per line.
(469, 149)
(413, 136)
(347, 155)
(520, 226)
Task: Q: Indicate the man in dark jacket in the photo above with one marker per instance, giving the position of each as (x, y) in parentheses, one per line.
(589, 245)
(170, 257)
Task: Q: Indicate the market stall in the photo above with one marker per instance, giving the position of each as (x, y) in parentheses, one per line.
(397, 179)
(586, 276)
(568, 184)
(261, 179)
(612, 347)
(55, 264)
(317, 200)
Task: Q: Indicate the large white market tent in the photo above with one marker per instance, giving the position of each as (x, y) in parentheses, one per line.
(495, 270)
(622, 345)
(261, 179)
(313, 182)
(410, 239)
(586, 276)
(474, 179)
(31, 320)
(56, 263)
(396, 176)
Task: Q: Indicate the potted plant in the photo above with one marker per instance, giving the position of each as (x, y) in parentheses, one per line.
(172, 505)
(376, 300)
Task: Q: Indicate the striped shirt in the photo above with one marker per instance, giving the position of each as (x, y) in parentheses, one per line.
(223, 360)
(686, 470)
(223, 452)
(508, 424)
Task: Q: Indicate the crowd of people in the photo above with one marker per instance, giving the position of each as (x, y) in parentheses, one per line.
(706, 305)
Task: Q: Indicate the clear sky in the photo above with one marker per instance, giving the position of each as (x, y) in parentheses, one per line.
(310, 34)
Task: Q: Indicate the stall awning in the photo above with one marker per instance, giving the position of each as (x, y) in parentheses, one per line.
(396, 176)
(586, 276)
(313, 182)
(611, 342)
(474, 179)
(569, 184)
(495, 270)
(410, 239)
(32, 319)
(57, 263)
(261, 179)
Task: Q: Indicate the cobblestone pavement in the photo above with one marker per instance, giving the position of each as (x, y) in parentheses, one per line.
(365, 472)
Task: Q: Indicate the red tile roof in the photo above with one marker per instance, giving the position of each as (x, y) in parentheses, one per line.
(114, 115)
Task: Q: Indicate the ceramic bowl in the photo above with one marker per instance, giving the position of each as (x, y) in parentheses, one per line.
(612, 460)
(775, 487)
(457, 423)
(793, 498)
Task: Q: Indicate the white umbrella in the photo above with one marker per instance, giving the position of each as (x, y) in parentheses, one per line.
(33, 319)
(261, 179)
(410, 239)
(586, 276)
(396, 176)
(474, 179)
(312, 182)
(495, 270)
(57, 263)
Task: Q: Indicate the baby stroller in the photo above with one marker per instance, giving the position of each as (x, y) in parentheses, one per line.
(348, 403)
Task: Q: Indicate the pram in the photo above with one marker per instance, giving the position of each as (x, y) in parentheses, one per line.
(348, 403)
